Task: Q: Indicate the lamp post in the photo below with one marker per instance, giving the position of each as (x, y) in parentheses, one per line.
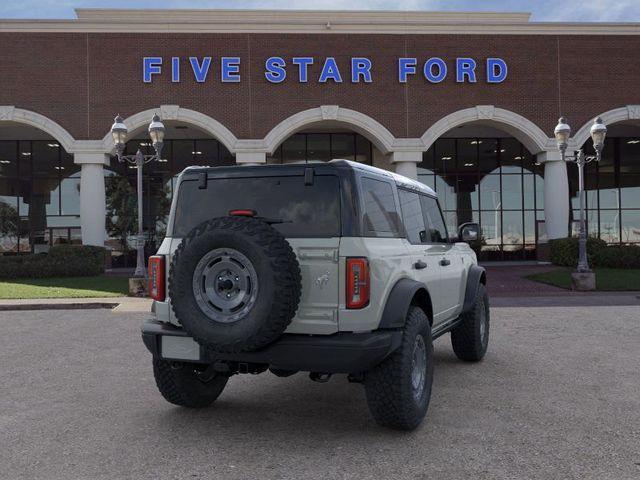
(119, 133)
(562, 133)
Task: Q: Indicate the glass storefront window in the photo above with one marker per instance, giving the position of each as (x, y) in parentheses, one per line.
(446, 193)
(364, 149)
(512, 229)
(511, 154)
(445, 156)
(529, 191)
(343, 145)
(490, 198)
(487, 155)
(306, 147)
(612, 187)
(630, 223)
(610, 226)
(8, 159)
(512, 192)
(466, 160)
(467, 192)
(493, 181)
(318, 147)
(530, 228)
(294, 149)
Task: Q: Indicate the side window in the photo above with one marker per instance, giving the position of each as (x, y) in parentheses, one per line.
(412, 216)
(436, 229)
(380, 215)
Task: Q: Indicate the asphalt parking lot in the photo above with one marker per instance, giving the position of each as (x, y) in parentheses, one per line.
(558, 396)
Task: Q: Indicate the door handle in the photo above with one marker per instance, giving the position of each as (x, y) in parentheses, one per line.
(444, 262)
(419, 265)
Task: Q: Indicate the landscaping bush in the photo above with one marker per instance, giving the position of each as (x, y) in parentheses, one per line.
(564, 251)
(618, 256)
(61, 261)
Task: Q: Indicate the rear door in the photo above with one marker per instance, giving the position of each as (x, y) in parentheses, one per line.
(425, 256)
(443, 250)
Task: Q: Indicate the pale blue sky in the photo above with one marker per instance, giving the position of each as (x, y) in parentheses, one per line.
(543, 10)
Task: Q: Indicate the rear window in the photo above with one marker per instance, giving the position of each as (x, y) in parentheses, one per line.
(305, 210)
(380, 215)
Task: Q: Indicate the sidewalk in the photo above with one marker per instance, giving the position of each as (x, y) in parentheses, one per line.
(117, 304)
(509, 281)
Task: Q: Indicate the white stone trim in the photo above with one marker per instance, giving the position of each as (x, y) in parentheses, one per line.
(10, 113)
(549, 156)
(629, 112)
(531, 136)
(251, 158)
(556, 199)
(382, 138)
(177, 113)
(308, 21)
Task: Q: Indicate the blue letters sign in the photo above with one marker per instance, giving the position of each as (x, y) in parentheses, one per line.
(326, 70)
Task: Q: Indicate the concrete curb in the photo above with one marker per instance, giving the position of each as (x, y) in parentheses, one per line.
(57, 306)
(114, 304)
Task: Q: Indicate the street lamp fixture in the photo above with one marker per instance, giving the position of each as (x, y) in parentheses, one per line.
(598, 133)
(119, 133)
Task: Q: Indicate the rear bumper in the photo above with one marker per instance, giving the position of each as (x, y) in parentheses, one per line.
(337, 353)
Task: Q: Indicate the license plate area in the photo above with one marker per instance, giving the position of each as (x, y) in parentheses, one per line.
(179, 348)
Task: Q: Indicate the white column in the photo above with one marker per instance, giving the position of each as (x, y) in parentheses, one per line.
(251, 158)
(406, 163)
(556, 194)
(92, 197)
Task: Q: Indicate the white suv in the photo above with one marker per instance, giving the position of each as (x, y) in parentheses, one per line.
(324, 268)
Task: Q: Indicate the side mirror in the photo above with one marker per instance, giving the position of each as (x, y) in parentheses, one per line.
(469, 232)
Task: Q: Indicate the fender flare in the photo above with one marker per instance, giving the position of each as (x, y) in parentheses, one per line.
(475, 277)
(395, 310)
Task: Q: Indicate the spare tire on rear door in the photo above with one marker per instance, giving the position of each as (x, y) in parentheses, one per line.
(234, 284)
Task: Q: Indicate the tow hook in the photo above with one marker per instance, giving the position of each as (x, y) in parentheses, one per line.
(320, 377)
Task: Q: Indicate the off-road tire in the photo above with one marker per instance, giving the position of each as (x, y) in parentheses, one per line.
(278, 291)
(181, 385)
(469, 340)
(388, 386)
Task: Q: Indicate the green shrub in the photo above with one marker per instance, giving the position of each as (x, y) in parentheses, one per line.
(61, 261)
(618, 256)
(564, 251)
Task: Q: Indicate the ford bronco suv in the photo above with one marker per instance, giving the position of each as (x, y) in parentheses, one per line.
(327, 268)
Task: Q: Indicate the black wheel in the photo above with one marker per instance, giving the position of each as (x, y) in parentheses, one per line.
(398, 390)
(234, 284)
(184, 385)
(471, 338)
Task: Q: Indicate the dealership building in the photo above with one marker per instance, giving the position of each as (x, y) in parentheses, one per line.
(464, 102)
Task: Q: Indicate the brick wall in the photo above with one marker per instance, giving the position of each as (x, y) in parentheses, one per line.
(82, 80)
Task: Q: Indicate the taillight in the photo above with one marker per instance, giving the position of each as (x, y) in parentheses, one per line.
(156, 277)
(358, 286)
(242, 213)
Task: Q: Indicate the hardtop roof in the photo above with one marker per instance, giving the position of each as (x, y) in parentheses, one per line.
(298, 168)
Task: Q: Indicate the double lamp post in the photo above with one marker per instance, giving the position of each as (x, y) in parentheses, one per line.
(119, 132)
(583, 278)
